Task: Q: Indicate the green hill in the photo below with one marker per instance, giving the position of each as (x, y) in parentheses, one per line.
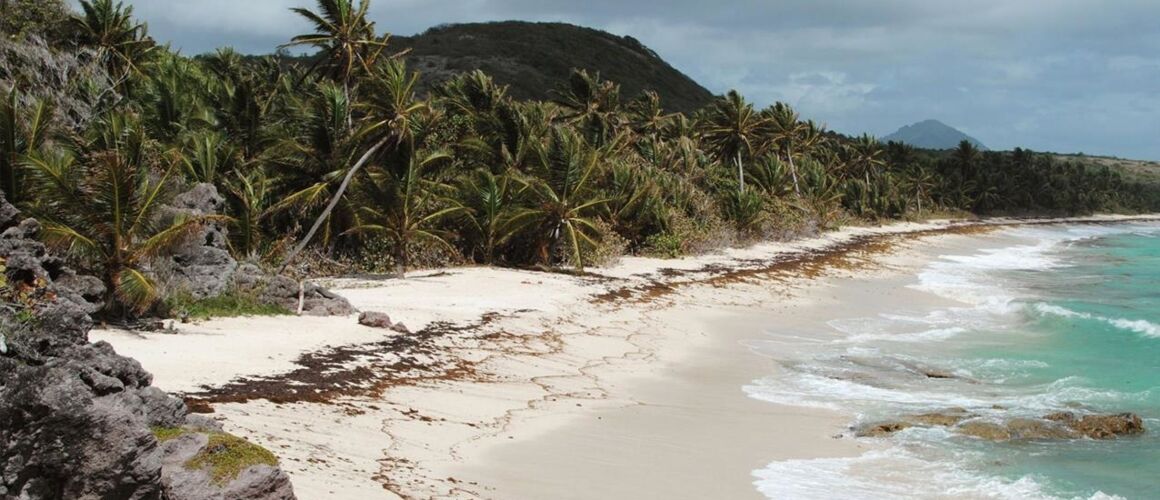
(932, 134)
(533, 58)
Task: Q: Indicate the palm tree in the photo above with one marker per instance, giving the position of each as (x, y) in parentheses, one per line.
(207, 156)
(648, 117)
(391, 119)
(345, 37)
(489, 203)
(314, 165)
(475, 100)
(560, 197)
(100, 204)
(403, 205)
(249, 196)
(865, 157)
(733, 130)
(22, 132)
(593, 106)
(966, 155)
(786, 130)
(920, 182)
(121, 42)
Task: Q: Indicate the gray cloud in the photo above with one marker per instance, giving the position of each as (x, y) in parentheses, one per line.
(1062, 75)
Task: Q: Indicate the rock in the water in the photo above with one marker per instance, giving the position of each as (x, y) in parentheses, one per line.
(882, 429)
(201, 267)
(374, 319)
(947, 418)
(1017, 429)
(1063, 425)
(400, 328)
(1101, 426)
(990, 431)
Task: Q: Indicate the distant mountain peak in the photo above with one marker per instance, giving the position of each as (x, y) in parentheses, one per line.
(932, 134)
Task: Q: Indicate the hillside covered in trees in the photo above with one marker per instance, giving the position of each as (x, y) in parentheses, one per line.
(343, 161)
(532, 58)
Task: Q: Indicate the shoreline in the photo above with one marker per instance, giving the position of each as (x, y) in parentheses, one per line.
(510, 360)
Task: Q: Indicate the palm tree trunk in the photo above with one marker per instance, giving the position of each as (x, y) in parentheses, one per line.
(793, 173)
(555, 245)
(740, 172)
(333, 203)
(401, 260)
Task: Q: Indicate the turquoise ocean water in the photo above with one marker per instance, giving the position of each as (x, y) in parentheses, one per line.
(1066, 319)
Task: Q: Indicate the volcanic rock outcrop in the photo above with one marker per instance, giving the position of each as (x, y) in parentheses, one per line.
(77, 420)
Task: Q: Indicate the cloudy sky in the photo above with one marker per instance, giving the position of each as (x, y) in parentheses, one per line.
(1059, 75)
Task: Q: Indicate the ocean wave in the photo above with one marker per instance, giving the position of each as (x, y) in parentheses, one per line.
(893, 473)
(1143, 327)
(882, 389)
(970, 278)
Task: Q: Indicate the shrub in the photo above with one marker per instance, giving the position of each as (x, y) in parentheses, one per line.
(665, 245)
(233, 303)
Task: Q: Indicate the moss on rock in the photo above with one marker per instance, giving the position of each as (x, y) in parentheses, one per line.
(225, 456)
(164, 434)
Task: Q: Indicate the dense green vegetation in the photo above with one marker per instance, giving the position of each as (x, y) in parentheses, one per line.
(343, 159)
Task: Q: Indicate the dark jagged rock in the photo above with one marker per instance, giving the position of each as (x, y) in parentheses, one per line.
(77, 419)
(283, 291)
(202, 266)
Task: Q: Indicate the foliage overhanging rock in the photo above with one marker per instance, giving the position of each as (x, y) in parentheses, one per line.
(76, 418)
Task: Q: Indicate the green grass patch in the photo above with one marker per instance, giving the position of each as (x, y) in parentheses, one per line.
(227, 305)
(164, 434)
(225, 456)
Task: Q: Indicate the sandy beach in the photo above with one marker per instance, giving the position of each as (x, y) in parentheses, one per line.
(624, 382)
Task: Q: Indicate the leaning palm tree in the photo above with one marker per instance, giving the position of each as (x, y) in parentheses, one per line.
(560, 197)
(314, 164)
(391, 119)
(732, 129)
(101, 204)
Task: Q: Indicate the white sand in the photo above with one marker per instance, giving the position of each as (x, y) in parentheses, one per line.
(567, 396)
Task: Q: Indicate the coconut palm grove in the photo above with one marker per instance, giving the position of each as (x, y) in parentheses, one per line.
(338, 161)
